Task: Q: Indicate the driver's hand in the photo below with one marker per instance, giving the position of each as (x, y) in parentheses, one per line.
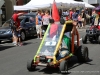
(75, 23)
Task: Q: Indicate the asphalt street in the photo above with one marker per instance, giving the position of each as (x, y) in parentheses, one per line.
(13, 60)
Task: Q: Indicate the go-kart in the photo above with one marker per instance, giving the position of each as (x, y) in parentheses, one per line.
(92, 34)
(57, 47)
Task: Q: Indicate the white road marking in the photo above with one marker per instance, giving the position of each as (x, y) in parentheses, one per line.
(79, 39)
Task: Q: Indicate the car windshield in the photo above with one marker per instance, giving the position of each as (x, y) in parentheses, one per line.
(6, 24)
(50, 41)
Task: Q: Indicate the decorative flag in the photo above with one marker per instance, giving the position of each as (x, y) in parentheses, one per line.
(55, 13)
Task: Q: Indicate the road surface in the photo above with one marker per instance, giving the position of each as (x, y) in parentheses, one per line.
(13, 60)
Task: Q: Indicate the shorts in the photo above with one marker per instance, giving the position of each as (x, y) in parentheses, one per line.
(45, 27)
(80, 23)
(38, 28)
(16, 33)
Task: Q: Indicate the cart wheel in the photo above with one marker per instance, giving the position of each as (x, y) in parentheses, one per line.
(64, 67)
(91, 41)
(99, 39)
(30, 65)
(75, 47)
(84, 39)
(82, 54)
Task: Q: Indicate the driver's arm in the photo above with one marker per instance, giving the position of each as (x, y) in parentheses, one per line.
(74, 27)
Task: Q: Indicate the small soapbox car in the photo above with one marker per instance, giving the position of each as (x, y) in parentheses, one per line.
(57, 47)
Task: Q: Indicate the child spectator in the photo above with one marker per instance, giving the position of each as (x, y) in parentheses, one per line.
(79, 21)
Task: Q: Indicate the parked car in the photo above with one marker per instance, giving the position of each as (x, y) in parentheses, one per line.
(28, 28)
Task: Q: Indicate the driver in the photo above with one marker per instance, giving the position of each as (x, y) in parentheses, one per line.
(66, 40)
(67, 36)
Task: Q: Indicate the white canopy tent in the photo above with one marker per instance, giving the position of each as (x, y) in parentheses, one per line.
(88, 5)
(22, 8)
(41, 4)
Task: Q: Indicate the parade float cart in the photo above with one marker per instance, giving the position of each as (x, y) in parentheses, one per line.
(57, 47)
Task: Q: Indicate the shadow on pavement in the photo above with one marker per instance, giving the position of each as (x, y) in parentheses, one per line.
(29, 38)
(6, 42)
(73, 62)
(93, 42)
(28, 43)
(2, 48)
(50, 70)
(76, 64)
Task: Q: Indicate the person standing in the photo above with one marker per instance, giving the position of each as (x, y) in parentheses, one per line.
(45, 20)
(70, 13)
(39, 25)
(79, 21)
(16, 30)
(75, 15)
(93, 17)
(83, 18)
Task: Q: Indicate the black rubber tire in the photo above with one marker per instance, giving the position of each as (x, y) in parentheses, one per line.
(84, 39)
(64, 67)
(23, 35)
(30, 66)
(99, 39)
(75, 48)
(82, 54)
(91, 41)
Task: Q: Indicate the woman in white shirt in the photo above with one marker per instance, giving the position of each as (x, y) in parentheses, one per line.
(45, 20)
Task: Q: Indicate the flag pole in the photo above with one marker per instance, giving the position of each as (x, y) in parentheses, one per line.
(50, 9)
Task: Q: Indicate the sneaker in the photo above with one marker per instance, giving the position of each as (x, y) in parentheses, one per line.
(40, 38)
(21, 44)
(15, 44)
